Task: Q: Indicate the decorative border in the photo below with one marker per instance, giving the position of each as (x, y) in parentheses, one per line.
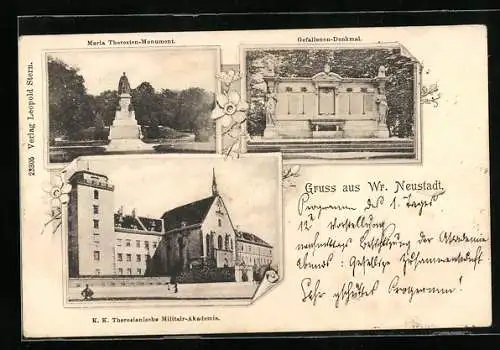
(230, 117)
(58, 193)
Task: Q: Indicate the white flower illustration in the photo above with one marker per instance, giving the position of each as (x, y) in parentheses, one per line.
(228, 77)
(58, 191)
(230, 109)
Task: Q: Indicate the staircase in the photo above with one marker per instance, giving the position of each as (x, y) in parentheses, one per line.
(320, 148)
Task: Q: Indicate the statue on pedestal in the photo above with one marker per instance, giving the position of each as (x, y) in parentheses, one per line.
(124, 85)
(382, 109)
(270, 107)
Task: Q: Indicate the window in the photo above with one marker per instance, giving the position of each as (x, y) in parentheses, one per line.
(220, 223)
(96, 194)
(154, 245)
(226, 242)
(231, 243)
(96, 238)
(97, 272)
(207, 239)
(138, 257)
(129, 271)
(129, 257)
(148, 257)
(96, 209)
(119, 257)
(139, 271)
(120, 271)
(97, 255)
(303, 89)
(119, 242)
(219, 242)
(96, 223)
(288, 89)
(364, 90)
(127, 242)
(349, 89)
(146, 244)
(138, 244)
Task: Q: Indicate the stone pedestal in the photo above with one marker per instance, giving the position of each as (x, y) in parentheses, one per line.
(125, 133)
(382, 132)
(124, 129)
(270, 132)
(124, 125)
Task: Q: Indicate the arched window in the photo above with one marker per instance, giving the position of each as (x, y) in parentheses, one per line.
(207, 239)
(219, 242)
(226, 242)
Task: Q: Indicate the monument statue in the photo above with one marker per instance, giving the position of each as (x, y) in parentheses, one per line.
(123, 85)
(125, 134)
(381, 71)
(382, 109)
(270, 106)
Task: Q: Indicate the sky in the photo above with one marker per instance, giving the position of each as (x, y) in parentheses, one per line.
(174, 69)
(249, 186)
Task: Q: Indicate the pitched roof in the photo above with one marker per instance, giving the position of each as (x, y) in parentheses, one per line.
(251, 238)
(151, 224)
(138, 223)
(190, 214)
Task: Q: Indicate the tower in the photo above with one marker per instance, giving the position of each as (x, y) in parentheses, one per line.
(215, 191)
(91, 235)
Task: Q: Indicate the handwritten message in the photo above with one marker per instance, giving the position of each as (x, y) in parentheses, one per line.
(359, 241)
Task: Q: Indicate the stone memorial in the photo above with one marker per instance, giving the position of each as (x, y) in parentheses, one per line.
(125, 134)
(326, 105)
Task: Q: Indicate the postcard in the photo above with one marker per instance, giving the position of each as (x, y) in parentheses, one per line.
(305, 180)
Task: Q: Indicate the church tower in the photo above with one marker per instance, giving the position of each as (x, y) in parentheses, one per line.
(215, 192)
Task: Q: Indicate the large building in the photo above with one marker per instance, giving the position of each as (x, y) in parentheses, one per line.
(105, 242)
(100, 241)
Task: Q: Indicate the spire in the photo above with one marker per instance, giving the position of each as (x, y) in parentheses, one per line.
(215, 192)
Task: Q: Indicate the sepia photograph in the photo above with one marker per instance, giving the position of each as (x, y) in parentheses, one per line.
(118, 101)
(172, 228)
(323, 103)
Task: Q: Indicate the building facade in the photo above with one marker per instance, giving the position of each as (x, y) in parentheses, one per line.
(252, 250)
(105, 242)
(100, 241)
